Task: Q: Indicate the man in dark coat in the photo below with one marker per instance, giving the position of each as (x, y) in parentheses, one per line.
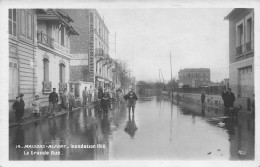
(18, 109)
(230, 99)
(131, 99)
(53, 101)
(105, 103)
(22, 105)
(224, 97)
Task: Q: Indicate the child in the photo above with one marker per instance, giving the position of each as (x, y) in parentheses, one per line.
(36, 107)
(17, 106)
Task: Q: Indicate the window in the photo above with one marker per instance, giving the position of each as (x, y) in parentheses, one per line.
(12, 22)
(13, 78)
(249, 29)
(240, 34)
(26, 24)
(62, 34)
(46, 70)
(62, 73)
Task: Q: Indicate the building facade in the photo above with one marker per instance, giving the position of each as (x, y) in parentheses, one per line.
(194, 77)
(53, 54)
(93, 41)
(22, 56)
(241, 52)
(39, 54)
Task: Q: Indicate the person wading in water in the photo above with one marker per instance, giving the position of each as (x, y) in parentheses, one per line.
(131, 100)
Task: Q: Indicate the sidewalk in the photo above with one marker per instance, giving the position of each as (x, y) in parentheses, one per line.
(30, 119)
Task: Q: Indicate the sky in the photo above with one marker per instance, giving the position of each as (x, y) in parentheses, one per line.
(145, 38)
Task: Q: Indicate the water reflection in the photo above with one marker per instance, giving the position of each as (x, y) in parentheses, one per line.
(166, 130)
(131, 127)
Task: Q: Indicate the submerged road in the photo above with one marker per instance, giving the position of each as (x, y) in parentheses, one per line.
(159, 129)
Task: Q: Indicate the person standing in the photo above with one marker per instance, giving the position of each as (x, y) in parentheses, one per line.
(85, 96)
(53, 102)
(105, 103)
(36, 107)
(71, 98)
(90, 92)
(22, 106)
(17, 107)
(202, 97)
(230, 99)
(131, 99)
(64, 100)
(224, 98)
(100, 92)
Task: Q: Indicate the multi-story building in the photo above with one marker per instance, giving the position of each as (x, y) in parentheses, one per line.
(194, 77)
(38, 54)
(53, 54)
(94, 43)
(22, 57)
(241, 53)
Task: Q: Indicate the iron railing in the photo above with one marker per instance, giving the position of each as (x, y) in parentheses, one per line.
(44, 39)
(62, 87)
(247, 47)
(46, 86)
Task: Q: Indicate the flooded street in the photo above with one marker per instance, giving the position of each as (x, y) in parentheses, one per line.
(159, 129)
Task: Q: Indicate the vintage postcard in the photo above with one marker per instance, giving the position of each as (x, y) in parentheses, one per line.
(120, 83)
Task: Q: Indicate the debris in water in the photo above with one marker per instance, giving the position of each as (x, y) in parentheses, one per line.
(218, 149)
(209, 153)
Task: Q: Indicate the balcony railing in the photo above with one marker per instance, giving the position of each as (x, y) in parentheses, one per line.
(44, 39)
(249, 46)
(99, 52)
(46, 86)
(62, 87)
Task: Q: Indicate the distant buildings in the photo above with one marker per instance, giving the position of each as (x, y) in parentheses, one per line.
(241, 52)
(194, 77)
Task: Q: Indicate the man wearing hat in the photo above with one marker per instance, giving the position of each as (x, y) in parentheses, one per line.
(22, 105)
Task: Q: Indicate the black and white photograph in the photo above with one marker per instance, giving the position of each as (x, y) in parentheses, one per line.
(129, 82)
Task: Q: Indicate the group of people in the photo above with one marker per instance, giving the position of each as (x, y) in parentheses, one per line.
(106, 98)
(87, 95)
(228, 99)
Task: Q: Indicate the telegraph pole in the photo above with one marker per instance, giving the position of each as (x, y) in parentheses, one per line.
(171, 72)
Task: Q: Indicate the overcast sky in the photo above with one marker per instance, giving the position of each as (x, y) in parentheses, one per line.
(196, 38)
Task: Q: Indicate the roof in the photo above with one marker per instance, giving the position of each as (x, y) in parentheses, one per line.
(195, 70)
(58, 15)
(234, 12)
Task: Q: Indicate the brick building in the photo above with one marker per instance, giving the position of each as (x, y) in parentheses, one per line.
(194, 77)
(94, 43)
(241, 53)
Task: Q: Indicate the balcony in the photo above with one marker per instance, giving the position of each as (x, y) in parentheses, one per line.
(240, 50)
(62, 87)
(247, 47)
(44, 39)
(99, 52)
(250, 46)
(46, 86)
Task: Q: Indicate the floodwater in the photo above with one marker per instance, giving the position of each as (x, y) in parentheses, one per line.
(159, 129)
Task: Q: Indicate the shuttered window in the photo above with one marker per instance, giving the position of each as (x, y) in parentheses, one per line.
(13, 78)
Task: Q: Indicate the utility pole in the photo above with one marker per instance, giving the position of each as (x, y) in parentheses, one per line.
(171, 72)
